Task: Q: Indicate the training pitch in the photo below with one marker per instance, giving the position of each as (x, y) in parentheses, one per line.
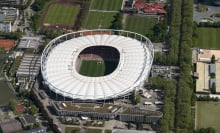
(139, 24)
(208, 38)
(61, 14)
(207, 115)
(98, 20)
(108, 5)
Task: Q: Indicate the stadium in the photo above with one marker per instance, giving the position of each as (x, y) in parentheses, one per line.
(97, 64)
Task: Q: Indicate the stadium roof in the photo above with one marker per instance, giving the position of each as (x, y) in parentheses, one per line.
(59, 73)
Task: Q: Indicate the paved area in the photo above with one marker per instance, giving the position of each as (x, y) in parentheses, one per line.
(211, 10)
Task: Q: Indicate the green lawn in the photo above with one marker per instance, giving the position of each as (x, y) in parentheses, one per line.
(108, 131)
(5, 94)
(96, 68)
(89, 130)
(72, 130)
(139, 24)
(97, 20)
(61, 14)
(208, 115)
(92, 68)
(110, 5)
(208, 38)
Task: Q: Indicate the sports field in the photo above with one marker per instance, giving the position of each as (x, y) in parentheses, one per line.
(207, 115)
(109, 5)
(61, 14)
(208, 38)
(97, 20)
(139, 24)
(5, 94)
(96, 68)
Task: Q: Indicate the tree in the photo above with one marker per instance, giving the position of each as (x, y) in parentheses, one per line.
(213, 88)
(33, 109)
(213, 59)
(117, 22)
(12, 104)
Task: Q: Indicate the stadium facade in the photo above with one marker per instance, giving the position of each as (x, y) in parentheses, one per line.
(61, 57)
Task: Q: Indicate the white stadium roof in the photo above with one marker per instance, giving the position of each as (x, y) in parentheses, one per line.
(60, 75)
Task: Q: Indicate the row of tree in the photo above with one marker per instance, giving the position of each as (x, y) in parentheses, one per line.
(174, 33)
(169, 88)
(184, 122)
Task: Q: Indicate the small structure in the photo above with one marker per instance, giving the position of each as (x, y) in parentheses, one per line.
(27, 120)
(12, 126)
(212, 68)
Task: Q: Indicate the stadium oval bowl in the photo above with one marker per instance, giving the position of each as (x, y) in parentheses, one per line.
(59, 59)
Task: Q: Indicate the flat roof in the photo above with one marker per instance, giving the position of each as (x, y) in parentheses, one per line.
(217, 77)
(202, 83)
(206, 54)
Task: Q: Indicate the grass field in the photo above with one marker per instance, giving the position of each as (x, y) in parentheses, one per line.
(61, 14)
(89, 130)
(110, 5)
(208, 115)
(208, 38)
(72, 130)
(96, 68)
(139, 24)
(97, 20)
(5, 94)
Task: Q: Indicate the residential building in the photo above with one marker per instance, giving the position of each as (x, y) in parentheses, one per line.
(12, 126)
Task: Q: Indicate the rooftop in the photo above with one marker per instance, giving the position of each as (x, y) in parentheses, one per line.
(7, 126)
(29, 42)
(205, 55)
(87, 107)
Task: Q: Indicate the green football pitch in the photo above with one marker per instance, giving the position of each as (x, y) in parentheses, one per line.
(139, 24)
(208, 38)
(96, 20)
(61, 14)
(207, 115)
(97, 68)
(109, 5)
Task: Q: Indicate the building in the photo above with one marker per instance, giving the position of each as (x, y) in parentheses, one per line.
(106, 111)
(27, 120)
(8, 17)
(207, 73)
(12, 126)
(60, 59)
(29, 42)
(12, 2)
(147, 8)
(29, 67)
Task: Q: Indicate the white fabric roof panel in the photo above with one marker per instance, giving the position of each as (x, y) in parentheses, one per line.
(68, 82)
